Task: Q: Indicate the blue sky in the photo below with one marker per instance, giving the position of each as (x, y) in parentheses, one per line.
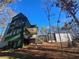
(33, 9)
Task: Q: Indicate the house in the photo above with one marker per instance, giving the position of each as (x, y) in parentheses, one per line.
(18, 32)
(55, 36)
(63, 37)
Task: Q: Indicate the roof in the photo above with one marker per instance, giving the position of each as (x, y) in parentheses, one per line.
(33, 26)
(18, 15)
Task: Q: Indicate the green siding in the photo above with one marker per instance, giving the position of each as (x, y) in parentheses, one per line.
(12, 37)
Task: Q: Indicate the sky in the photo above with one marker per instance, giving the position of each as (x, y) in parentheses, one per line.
(34, 11)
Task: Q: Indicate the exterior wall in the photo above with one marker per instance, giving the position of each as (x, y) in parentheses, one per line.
(51, 36)
(32, 30)
(64, 37)
(16, 26)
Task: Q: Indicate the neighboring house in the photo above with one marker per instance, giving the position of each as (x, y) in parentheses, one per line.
(54, 36)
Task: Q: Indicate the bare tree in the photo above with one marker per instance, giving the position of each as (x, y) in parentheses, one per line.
(58, 21)
(3, 11)
(2, 25)
(69, 6)
(4, 3)
(48, 4)
(67, 28)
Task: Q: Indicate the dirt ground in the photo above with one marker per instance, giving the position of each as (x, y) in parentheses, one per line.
(44, 51)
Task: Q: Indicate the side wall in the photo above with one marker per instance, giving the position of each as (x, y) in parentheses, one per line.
(64, 37)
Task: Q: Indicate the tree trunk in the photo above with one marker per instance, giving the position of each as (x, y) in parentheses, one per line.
(50, 38)
(58, 29)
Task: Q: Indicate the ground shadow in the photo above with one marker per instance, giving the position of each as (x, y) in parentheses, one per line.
(23, 56)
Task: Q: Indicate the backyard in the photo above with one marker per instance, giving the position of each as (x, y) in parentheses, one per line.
(42, 51)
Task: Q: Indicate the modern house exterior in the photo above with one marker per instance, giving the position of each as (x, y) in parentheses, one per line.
(19, 32)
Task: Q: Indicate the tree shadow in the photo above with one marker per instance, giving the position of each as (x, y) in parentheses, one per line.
(30, 54)
(55, 50)
(24, 56)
